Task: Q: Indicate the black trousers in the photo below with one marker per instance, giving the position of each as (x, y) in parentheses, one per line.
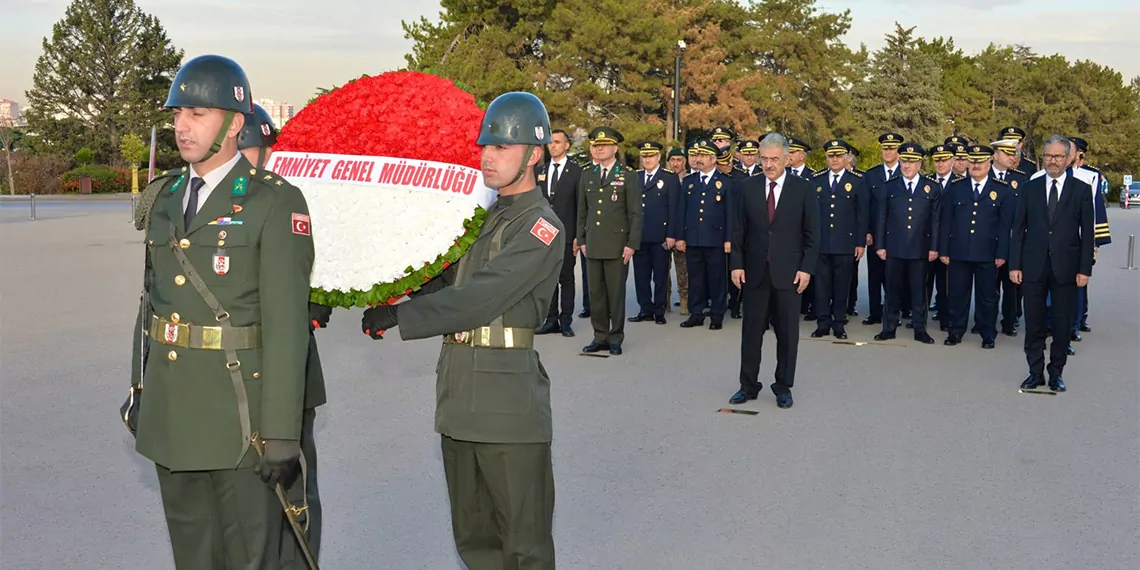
(706, 282)
(607, 314)
(764, 303)
(291, 556)
(832, 285)
(585, 284)
(1010, 299)
(733, 290)
(906, 283)
(937, 280)
(876, 282)
(562, 303)
(853, 292)
(1063, 297)
(650, 274)
(807, 300)
(981, 275)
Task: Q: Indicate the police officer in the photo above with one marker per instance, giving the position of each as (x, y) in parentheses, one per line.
(977, 217)
(223, 328)
(851, 162)
(609, 231)
(678, 164)
(1018, 134)
(1102, 235)
(843, 217)
(876, 180)
(704, 233)
(725, 166)
(1005, 169)
(721, 137)
(493, 409)
(660, 191)
(961, 164)
(937, 278)
(797, 156)
(749, 152)
(906, 238)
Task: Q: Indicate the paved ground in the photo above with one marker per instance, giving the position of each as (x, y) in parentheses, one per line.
(894, 457)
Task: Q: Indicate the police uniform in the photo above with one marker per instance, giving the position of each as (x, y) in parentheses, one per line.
(1018, 134)
(1009, 293)
(977, 217)
(749, 147)
(678, 257)
(843, 218)
(705, 225)
(660, 192)
(1101, 233)
(937, 278)
(876, 181)
(853, 293)
(907, 230)
(609, 220)
(797, 145)
(735, 173)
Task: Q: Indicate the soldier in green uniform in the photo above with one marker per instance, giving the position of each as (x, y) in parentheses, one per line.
(255, 142)
(609, 231)
(221, 337)
(492, 392)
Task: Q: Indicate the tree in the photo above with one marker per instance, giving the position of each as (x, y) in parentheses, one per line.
(133, 149)
(107, 69)
(901, 91)
(8, 137)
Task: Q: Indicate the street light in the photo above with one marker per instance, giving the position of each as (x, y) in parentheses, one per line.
(677, 91)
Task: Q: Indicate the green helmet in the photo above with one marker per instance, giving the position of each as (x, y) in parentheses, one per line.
(258, 130)
(211, 81)
(515, 118)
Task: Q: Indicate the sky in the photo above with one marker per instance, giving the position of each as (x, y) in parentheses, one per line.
(288, 48)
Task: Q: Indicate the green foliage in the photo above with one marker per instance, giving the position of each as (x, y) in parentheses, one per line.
(132, 149)
(84, 156)
(37, 173)
(104, 179)
(901, 91)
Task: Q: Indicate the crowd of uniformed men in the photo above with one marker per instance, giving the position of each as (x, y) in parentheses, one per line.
(942, 236)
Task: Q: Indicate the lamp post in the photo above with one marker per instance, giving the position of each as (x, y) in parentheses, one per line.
(677, 91)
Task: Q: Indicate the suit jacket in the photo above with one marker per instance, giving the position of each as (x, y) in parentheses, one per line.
(908, 223)
(976, 230)
(790, 241)
(565, 199)
(609, 212)
(659, 205)
(1066, 240)
(843, 213)
(705, 212)
(805, 172)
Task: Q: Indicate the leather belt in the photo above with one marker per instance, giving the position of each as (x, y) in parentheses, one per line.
(207, 338)
(493, 337)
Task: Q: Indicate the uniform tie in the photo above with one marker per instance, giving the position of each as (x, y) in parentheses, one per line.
(910, 188)
(771, 201)
(940, 182)
(704, 180)
(834, 182)
(890, 173)
(1053, 196)
(647, 177)
(604, 172)
(977, 191)
(1001, 176)
(192, 203)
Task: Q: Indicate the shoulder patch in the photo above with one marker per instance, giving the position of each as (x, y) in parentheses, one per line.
(544, 231)
(300, 224)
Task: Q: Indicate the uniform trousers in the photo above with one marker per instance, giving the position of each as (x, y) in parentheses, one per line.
(706, 267)
(1062, 297)
(906, 283)
(291, 556)
(502, 503)
(682, 278)
(763, 303)
(585, 284)
(562, 302)
(1010, 299)
(853, 291)
(650, 274)
(607, 299)
(876, 282)
(221, 519)
(832, 285)
(937, 279)
(980, 275)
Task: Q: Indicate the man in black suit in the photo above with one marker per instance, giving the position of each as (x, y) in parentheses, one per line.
(774, 252)
(1051, 255)
(559, 182)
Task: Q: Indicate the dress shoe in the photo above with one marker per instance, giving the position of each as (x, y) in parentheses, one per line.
(659, 320)
(840, 334)
(1075, 337)
(1033, 381)
(584, 314)
(715, 326)
(1085, 328)
(820, 333)
(872, 321)
(943, 327)
(567, 331)
(690, 323)
(615, 349)
(735, 314)
(1071, 351)
(852, 313)
(885, 336)
(1056, 384)
(952, 341)
(910, 325)
(923, 337)
(809, 318)
(1009, 332)
(548, 327)
(906, 314)
(638, 318)
(595, 347)
(783, 401)
(740, 397)
(987, 344)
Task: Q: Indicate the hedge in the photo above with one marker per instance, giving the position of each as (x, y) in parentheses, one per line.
(104, 179)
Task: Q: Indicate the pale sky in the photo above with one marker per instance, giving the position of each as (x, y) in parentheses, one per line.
(290, 47)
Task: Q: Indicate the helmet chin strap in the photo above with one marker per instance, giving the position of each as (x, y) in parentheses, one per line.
(214, 148)
(522, 167)
(260, 157)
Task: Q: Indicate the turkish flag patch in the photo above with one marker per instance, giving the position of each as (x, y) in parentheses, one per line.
(544, 231)
(301, 224)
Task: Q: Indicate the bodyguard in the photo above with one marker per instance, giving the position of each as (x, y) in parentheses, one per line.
(660, 191)
(843, 214)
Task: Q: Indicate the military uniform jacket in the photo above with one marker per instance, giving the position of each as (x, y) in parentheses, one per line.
(494, 395)
(659, 205)
(876, 181)
(908, 223)
(976, 229)
(843, 213)
(609, 212)
(705, 214)
(189, 419)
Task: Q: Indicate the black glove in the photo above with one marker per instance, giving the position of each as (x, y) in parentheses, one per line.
(129, 412)
(319, 316)
(437, 283)
(279, 461)
(379, 319)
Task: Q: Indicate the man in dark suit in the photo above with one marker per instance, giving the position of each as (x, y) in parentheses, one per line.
(876, 181)
(1051, 255)
(704, 233)
(843, 214)
(659, 194)
(774, 252)
(906, 241)
(559, 182)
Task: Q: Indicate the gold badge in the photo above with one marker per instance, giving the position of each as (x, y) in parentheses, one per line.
(660, 184)
(718, 195)
(993, 195)
(690, 186)
(718, 188)
(818, 189)
(927, 188)
(847, 187)
(1013, 183)
(541, 177)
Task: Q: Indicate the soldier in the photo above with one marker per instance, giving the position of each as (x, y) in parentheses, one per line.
(1005, 169)
(678, 163)
(907, 240)
(797, 155)
(609, 231)
(228, 256)
(704, 233)
(1018, 134)
(749, 151)
(255, 142)
(937, 278)
(493, 405)
(876, 181)
(977, 215)
(660, 191)
(843, 215)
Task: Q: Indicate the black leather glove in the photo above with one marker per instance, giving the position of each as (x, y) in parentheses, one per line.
(379, 319)
(440, 281)
(279, 461)
(129, 412)
(319, 316)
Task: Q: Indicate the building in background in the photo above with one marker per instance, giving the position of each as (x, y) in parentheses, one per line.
(10, 111)
(279, 111)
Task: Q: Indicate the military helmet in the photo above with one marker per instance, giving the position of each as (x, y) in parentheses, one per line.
(515, 118)
(258, 130)
(211, 81)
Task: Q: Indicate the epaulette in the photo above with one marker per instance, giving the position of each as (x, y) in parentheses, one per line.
(149, 194)
(818, 173)
(1000, 181)
(858, 173)
(1014, 169)
(740, 170)
(957, 177)
(267, 177)
(1092, 169)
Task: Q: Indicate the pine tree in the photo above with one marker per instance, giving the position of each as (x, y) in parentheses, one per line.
(901, 91)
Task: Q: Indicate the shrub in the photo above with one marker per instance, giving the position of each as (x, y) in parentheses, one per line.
(104, 179)
(37, 173)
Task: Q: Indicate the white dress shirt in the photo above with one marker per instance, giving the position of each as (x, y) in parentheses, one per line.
(1060, 186)
(779, 189)
(888, 170)
(550, 174)
(913, 182)
(210, 180)
(647, 175)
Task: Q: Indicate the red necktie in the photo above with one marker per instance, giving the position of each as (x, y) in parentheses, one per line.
(771, 201)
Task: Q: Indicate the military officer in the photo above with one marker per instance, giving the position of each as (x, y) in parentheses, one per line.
(749, 153)
(493, 405)
(704, 233)
(977, 217)
(678, 164)
(961, 164)
(1005, 169)
(721, 137)
(851, 162)
(876, 181)
(255, 142)
(609, 231)
(1018, 134)
(906, 238)
(660, 191)
(937, 278)
(843, 218)
(797, 156)
(222, 336)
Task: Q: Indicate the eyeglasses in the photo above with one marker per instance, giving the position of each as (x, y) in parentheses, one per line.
(1055, 157)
